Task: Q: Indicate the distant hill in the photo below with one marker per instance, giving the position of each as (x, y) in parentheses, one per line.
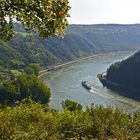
(79, 41)
(124, 76)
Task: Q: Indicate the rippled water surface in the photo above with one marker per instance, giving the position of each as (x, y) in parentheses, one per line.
(65, 83)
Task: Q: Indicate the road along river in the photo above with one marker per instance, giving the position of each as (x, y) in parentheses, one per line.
(65, 83)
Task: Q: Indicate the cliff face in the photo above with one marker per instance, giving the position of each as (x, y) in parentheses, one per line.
(124, 76)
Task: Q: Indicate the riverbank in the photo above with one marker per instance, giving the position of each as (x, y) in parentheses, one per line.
(120, 89)
(54, 67)
(58, 66)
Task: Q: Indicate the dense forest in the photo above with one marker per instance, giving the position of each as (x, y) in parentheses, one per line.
(79, 41)
(125, 76)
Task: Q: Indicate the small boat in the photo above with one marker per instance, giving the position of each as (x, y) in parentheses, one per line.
(86, 85)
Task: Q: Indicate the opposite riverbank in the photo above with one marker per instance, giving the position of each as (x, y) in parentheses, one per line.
(54, 67)
(58, 66)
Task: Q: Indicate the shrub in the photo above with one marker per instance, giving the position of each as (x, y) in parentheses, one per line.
(33, 121)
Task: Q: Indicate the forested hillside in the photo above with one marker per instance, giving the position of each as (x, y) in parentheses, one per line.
(125, 76)
(126, 72)
(80, 40)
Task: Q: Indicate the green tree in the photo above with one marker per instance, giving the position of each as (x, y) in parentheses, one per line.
(32, 86)
(36, 68)
(47, 17)
(24, 86)
(30, 71)
(9, 92)
(33, 69)
(71, 105)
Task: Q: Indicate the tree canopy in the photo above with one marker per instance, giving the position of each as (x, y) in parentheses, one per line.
(33, 69)
(24, 86)
(47, 17)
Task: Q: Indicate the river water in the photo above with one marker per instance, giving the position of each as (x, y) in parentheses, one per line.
(65, 83)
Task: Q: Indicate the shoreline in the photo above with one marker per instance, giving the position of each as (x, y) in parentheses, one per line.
(57, 66)
(120, 89)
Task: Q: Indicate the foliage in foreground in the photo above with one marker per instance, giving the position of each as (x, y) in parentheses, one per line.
(33, 121)
(48, 17)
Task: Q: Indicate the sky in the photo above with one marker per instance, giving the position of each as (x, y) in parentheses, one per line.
(104, 11)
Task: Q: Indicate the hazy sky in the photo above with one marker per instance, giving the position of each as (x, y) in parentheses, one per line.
(104, 11)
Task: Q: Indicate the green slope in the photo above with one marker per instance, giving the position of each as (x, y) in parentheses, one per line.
(80, 40)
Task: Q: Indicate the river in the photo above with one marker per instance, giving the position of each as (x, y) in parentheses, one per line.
(65, 83)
